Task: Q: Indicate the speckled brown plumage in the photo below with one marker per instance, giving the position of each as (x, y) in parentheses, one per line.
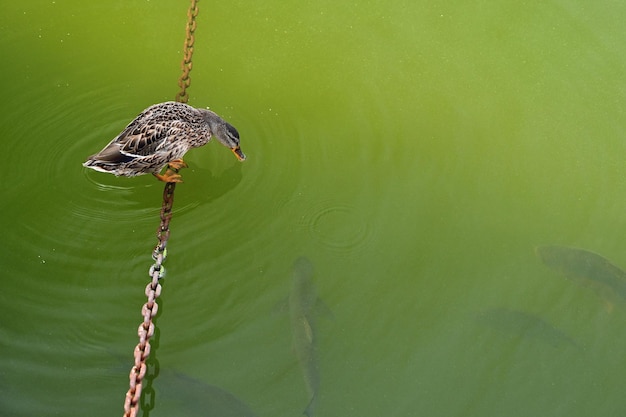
(161, 134)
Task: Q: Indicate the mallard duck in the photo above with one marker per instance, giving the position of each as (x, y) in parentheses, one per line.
(160, 136)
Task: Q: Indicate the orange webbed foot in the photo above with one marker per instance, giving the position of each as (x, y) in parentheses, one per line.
(171, 173)
(177, 164)
(169, 176)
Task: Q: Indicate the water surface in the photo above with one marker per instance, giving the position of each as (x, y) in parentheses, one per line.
(415, 152)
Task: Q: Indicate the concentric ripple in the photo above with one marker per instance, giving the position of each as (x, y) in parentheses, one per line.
(338, 227)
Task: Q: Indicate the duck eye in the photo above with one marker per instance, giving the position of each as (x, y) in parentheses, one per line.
(232, 131)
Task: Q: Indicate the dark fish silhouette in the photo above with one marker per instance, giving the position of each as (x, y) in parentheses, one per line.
(586, 268)
(302, 302)
(522, 324)
(190, 396)
(194, 398)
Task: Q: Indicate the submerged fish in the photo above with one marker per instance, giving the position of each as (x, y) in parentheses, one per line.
(586, 268)
(302, 302)
(192, 397)
(522, 324)
(181, 395)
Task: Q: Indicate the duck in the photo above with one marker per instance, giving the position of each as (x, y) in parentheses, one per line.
(159, 137)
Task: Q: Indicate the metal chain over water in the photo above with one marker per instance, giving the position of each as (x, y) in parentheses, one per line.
(184, 81)
(150, 309)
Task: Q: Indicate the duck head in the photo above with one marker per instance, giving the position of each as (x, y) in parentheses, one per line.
(225, 133)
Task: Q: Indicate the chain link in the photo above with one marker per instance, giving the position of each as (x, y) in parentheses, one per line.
(148, 395)
(185, 81)
(150, 309)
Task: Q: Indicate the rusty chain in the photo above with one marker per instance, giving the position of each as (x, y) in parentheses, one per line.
(139, 372)
(150, 309)
(184, 81)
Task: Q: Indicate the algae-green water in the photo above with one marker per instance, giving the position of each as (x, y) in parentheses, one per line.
(415, 152)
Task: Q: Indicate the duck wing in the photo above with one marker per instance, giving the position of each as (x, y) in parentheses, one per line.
(145, 140)
(138, 141)
(158, 129)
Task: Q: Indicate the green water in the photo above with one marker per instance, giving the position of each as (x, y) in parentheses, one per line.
(415, 152)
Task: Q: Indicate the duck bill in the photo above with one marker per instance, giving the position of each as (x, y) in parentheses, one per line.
(238, 153)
